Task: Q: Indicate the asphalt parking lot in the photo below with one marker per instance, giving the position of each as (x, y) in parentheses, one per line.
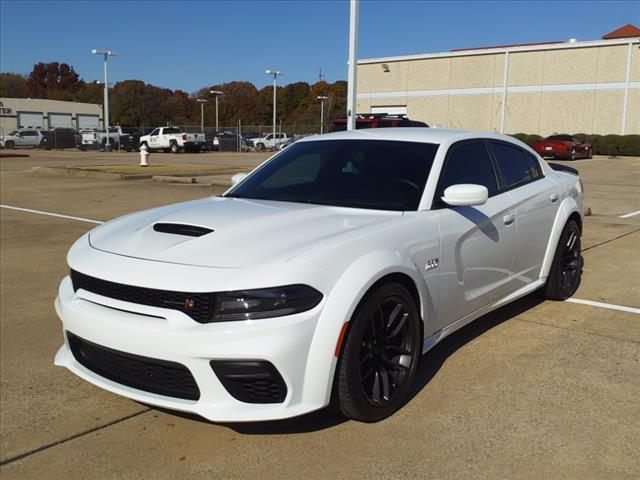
(533, 390)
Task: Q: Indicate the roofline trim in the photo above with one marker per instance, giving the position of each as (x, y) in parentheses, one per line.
(494, 51)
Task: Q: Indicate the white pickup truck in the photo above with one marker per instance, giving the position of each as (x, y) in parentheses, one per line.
(171, 139)
(262, 143)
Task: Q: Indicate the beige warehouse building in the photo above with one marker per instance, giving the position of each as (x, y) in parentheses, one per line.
(46, 114)
(560, 87)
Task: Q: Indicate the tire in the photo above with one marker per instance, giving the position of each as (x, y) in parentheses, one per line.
(260, 147)
(566, 270)
(174, 148)
(572, 154)
(590, 153)
(371, 384)
(10, 145)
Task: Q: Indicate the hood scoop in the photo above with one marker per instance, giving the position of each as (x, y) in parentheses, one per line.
(181, 229)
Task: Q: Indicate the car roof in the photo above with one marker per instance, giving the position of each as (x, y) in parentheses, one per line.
(411, 134)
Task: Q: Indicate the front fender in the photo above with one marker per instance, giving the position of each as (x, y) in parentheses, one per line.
(568, 206)
(347, 293)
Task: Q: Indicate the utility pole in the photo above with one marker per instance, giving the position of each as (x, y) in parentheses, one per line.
(275, 74)
(216, 93)
(202, 101)
(106, 54)
(322, 99)
(353, 55)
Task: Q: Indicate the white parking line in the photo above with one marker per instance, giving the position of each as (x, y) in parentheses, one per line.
(40, 212)
(630, 214)
(608, 306)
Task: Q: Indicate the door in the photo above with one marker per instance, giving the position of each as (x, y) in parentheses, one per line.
(88, 122)
(536, 202)
(30, 120)
(154, 139)
(29, 138)
(477, 243)
(60, 120)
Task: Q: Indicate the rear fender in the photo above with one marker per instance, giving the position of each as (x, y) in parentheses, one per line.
(568, 206)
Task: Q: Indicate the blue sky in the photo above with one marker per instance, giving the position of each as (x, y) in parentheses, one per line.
(188, 45)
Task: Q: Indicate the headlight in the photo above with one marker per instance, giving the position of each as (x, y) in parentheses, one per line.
(265, 302)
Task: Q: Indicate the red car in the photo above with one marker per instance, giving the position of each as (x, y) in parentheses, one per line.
(563, 146)
(376, 120)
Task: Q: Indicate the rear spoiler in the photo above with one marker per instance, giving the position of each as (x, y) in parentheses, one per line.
(563, 168)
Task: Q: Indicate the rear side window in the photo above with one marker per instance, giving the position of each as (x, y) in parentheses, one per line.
(170, 130)
(534, 165)
(512, 163)
(467, 163)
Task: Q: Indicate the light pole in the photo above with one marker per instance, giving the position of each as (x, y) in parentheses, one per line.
(202, 101)
(106, 54)
(216, 93)
(322, 99)
(275, 74)
(352, 98)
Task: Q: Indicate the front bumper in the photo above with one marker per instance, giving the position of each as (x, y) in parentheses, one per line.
(172, 336)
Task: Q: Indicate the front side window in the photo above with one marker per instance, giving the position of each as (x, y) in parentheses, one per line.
(512, 163)
(467, 163)
(371, 174)
(155, 132)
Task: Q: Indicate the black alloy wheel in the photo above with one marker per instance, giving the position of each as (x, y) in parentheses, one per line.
(380, 355)
(566, 270)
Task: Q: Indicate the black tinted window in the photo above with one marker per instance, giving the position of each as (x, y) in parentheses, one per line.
(467, 163)
(564, 138)
(534, 165)
(373, 174)
(512, 163)
(169, 130)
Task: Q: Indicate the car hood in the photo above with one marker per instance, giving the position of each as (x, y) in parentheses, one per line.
(245, 232)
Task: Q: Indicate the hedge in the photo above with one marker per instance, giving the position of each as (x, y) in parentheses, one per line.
(601, 144)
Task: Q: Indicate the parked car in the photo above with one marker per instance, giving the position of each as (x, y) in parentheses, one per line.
(60, 138)
(89, 139)
(321, 276)
(171, 139)
(129, 139)
(563, 147)
(27, 137)
(375, 120)
(268, 141)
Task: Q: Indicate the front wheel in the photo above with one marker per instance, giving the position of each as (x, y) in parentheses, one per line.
(10, 145)
(590, 153)
(566, 269)
(572, 155)
(380, 355)
(260, 147)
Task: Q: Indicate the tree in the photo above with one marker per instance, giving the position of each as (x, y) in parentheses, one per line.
(90, 93)
(13, 85)
(53, 80)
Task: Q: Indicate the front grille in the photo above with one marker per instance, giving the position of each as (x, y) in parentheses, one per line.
(147, 374)
(251, 381)
(198, 306)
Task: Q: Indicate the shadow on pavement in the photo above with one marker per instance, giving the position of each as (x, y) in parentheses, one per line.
(430, 364)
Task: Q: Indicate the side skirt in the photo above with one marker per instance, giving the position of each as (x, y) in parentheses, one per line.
(434, 339)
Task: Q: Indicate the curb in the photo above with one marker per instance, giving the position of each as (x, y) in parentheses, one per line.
(173, 179)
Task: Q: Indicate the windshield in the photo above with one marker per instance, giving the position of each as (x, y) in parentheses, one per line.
(372, 174)
(12, 133)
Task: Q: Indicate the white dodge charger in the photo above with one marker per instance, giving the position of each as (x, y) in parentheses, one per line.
(321, 277)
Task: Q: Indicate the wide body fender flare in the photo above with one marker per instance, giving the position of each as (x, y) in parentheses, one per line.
(565, 210)
(347, 293)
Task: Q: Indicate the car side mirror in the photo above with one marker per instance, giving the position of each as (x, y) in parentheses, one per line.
(237, 178)
(465, 195)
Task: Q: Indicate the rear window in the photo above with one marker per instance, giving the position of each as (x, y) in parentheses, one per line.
(513, 165)
(564, 138)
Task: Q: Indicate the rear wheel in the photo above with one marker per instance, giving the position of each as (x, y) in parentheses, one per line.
(590, 153)
(566, 269)
(572, 155)
(380, 355)
(174, 148)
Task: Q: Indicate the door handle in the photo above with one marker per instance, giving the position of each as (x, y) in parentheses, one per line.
(508, 218)
(553, 197)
